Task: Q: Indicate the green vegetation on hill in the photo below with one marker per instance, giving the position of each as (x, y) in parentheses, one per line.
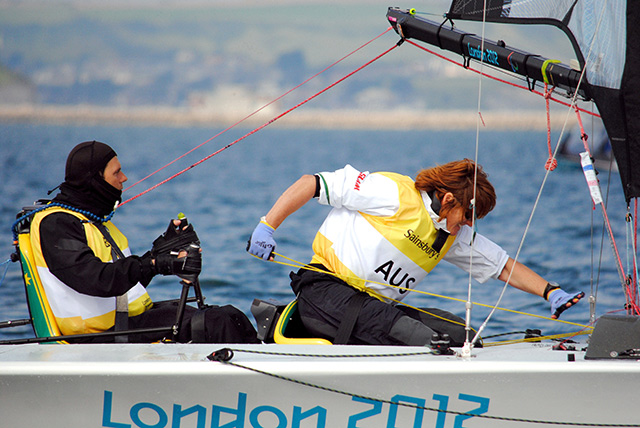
(258, 33)
(170, 53)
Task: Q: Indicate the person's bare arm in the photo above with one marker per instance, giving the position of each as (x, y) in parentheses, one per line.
(298, 194)
(523, 278)
(527, 280)
(261, 243)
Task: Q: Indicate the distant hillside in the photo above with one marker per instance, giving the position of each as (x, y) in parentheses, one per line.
(15, 88)
(221, 55)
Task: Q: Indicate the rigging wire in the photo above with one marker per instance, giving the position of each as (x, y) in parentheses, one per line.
(506, 82)
(468, 344)
(249, 116)
(593, 296)
(627, 281)
(607, 224)
(547, 98)
(262, 126)
(549, 165)
(529, 221)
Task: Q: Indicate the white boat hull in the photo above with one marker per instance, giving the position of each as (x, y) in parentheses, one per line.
(175, 385)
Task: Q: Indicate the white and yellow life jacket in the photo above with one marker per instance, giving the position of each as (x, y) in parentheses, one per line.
(385, 236)
(74, 312)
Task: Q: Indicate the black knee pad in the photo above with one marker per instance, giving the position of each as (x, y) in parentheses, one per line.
(411, 332)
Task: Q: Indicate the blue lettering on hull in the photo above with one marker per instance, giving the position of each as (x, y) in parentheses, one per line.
(366, 413)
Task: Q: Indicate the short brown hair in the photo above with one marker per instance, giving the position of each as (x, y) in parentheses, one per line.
(457, 177)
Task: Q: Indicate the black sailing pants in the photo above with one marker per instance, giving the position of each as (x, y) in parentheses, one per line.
(323, 300)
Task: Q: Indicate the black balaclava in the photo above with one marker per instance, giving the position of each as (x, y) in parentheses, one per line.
(84, 186)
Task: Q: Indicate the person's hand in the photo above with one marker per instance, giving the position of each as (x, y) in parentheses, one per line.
(261, 243)
(187, 264)
(178, 236)
(561, 301)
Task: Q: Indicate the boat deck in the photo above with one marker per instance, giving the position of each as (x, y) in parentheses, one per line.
(176, 385)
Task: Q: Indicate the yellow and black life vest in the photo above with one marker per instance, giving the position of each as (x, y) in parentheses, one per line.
(58, 309)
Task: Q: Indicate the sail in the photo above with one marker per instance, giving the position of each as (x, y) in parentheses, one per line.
(605, 36)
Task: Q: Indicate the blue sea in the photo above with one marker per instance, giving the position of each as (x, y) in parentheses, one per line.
(225, 196)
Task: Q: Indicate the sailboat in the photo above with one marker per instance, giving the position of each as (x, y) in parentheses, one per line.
(293, 380)
(572, 145)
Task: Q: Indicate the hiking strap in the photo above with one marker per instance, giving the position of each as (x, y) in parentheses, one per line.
(354, 306)
(199, 327)
(122, 302)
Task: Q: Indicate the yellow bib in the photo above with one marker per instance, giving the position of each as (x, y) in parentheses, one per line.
(74, 312)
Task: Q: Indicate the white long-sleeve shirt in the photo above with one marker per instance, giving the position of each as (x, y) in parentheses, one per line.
(382, 230)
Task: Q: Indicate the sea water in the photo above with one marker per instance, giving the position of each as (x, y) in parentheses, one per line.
(225, 196)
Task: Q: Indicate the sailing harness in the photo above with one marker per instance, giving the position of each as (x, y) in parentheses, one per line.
(122, 303)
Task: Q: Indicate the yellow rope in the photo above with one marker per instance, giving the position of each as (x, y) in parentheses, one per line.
(297, 264)
(368, 290)
(535, 339)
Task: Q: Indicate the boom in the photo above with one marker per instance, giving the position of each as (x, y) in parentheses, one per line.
(534, 67)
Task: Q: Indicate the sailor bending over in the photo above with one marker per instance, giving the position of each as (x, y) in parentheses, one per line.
(384, 234)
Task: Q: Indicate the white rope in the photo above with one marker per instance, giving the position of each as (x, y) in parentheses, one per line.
(468, 305)
(544, 180)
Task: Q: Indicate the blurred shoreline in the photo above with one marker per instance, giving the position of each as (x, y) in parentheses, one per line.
(304, 118)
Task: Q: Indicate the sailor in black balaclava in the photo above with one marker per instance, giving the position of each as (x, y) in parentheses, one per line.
(85, 263)
(84, 184)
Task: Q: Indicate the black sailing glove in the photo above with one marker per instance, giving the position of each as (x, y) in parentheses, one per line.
(187, 267)
(147, 268)
(175, 238)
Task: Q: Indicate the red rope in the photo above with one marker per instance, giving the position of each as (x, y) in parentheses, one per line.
(564, 103)
(583, 135)
(618, 259)
(551, 163)
(627, 283)
(291, 90)
(262, 126)
(258, 110)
